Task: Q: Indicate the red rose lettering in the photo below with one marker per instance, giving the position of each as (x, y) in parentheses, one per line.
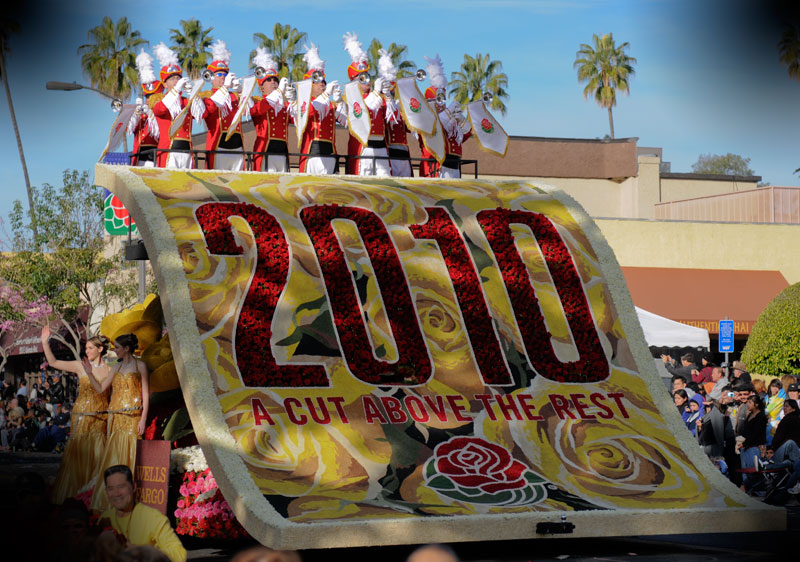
(254, 357)
(592, 366)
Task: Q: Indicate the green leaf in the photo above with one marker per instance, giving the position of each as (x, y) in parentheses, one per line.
(177, 425)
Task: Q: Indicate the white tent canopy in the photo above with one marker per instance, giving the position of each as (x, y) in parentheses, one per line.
(663, 332)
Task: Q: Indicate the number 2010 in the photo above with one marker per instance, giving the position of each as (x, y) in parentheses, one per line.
(257, 364)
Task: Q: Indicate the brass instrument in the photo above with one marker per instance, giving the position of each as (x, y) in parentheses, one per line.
(116, 105)
(488, 97)
(421, 75)
(363, 78)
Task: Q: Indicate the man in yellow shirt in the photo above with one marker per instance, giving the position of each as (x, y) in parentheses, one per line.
(137, 523)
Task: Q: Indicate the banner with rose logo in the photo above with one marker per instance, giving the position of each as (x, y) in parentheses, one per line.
(372, 361)
(488, 132)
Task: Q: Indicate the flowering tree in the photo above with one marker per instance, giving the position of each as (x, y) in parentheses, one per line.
(57, 270)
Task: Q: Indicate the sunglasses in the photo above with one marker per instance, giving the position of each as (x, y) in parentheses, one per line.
(271, 79)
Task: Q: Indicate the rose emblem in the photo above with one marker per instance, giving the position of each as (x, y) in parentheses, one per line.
(303, 109)
(414, 104)
(486, 125)
(473, 470)
(357, 110)
(116, 216)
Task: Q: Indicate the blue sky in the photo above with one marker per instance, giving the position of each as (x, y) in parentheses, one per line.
(708, 79)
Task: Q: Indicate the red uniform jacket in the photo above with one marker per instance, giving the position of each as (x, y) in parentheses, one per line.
(217, 125)
(164, 121)
(142, 138)
(270, 125)
(321, 129)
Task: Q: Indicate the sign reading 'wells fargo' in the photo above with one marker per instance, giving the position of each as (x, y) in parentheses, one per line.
(389, 361)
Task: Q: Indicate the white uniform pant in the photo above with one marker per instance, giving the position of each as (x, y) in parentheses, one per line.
(179, 160)
(320, 165)
(147, 164)
(376, 167)
(401, 167)
(276, 163)
(229, 160)
(449, 172)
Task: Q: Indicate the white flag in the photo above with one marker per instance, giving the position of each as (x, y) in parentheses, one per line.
(248, 84)
(488, 132)
(303, 102)
(177, 123)
(118, 129)
(435, 142)
(416, 112)
(358, 120)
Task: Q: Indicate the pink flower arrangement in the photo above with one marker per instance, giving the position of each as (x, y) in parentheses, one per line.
(202, 510)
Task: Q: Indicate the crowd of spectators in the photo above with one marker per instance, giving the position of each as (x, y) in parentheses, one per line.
(35, 412)
(743, 424)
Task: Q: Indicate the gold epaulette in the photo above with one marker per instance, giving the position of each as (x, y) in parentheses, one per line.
(256, 99)
(205, 94)
(154, 99)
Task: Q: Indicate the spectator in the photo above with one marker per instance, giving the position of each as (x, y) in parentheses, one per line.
(8, 390)
(681, 400)
(774, 407)
(140, 524)
(57, 391)
(433, 553)
(753, 433)
(760, 388)
(679, 383)
(742, 393)
(684, 370)
(22, 391)
(695, 410)
(785, 442)
(704, 374)
(740, 373)
(720, 381)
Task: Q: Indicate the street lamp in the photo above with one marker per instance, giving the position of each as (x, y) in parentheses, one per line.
(134, 251)
(116, 103)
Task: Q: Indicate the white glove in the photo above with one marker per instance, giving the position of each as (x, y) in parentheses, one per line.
(336, 94)
(378, 87)
(139, 106)
(454, 107)
(386, 89)
(289, 92)
(229, 78)
(180, 84)
(331, 85)
(283, 85)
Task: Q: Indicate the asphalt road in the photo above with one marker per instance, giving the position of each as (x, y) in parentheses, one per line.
(666, 548)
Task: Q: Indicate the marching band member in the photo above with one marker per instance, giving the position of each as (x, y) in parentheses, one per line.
(176, 151)
(455, 126)
(221, 106)
(396, 129)
(143, 124)
(435, 72)
(271, 117)
(319, 134)
(376, 105)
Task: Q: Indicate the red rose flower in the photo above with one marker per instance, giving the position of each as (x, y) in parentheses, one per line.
(472, 462)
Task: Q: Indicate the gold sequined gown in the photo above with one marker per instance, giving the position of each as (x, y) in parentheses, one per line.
(81, 459)
(126, 395)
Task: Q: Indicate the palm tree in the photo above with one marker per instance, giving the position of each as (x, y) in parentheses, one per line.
(110, 59)
(479, 76)
(789, 50)
(8, 26)
(398, 54)
(191, 43)
(285, 48)
(606, 68)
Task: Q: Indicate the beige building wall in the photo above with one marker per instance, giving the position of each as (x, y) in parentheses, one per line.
(676, 189)
(645, 243)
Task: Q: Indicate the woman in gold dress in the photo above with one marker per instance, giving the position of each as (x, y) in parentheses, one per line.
(127, 411)
(81, 459)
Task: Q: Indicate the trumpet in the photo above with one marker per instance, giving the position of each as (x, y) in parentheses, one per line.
(207, 75)
(317, 77)
(420, 75)
(116, 105)
(363, 78)
(186, 91)
(441, 98)
(488, 97)
(236, 83)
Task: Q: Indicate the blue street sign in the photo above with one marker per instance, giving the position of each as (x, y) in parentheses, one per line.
(726, 336)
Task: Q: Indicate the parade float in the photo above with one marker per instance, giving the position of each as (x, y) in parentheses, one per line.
(371, 361)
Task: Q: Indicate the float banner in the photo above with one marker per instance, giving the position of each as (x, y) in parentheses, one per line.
(358, 119)
(119, 128)
(384, 361)
(151, 477)
(490, 135)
